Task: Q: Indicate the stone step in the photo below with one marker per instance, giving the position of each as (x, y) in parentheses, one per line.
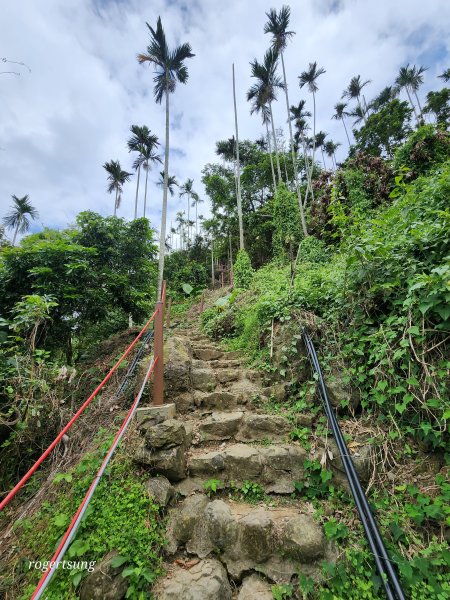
(275, 467)
(220, 400)
(277, 542)
(242, 427)
(206, 353)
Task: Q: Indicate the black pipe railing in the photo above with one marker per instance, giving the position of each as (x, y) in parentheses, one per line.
(383, 563)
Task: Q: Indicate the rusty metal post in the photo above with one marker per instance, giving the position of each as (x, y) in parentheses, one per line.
(169, 308)
(158, 345)
(202, 302)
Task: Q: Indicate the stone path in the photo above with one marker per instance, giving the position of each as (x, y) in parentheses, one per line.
(220, 548)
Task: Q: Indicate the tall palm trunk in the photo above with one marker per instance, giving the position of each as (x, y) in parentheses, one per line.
(162, 233)
(213, 279)
(145, 193)
(275, 144)
(363, 112)
(196, 218)
(323, 159)
(314, 130)
(294, 160)
(238, 172)
(188, 221)
(413, 106)
(15, 233)
(115, 202)
(418, 104)
(137, 192)
(346, 132)
(271, 159)
(309, 169)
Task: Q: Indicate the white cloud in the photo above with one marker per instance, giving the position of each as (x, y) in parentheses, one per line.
(63, 120)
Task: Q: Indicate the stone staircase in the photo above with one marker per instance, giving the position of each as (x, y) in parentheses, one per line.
(221, 548)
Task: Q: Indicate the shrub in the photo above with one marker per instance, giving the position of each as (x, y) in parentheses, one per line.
(424, 150)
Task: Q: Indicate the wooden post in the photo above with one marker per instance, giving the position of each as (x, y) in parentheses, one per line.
(169, 308)
(158, 345)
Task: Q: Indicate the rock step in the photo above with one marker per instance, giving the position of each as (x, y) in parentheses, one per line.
(241, 427)
(277, 542)
(275, 467)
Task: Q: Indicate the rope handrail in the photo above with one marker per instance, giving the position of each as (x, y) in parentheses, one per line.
(65, 429)
(72, 529)
(383, 563)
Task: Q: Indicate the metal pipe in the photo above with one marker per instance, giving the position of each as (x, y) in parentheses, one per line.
(382, 560)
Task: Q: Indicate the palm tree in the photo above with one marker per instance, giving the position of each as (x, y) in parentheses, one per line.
(339, 115)
(147, 156)
(136, 141)
(320, 142)
(309, 78)
(330, 149)
(169, 68)
(263, 92)
(445, 75)
(298, 115)
(404, 80)
(353, 92)
(386, 95)
(277, 25)
(116, 178)
(359, 113)
(171, 182)
(187, 189)
(259, 107)
(196, 200)
(21, 215)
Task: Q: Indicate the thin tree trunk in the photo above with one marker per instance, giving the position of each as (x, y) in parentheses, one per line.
(137, 193)
(294, 160)
(15, 233)
(363, 112)
(314, 130)
(238, 172)
(162, 233)
(275, 144)
(323, 159)
(188, 221)
(196, 218)
(346, 132)
(412, 104)
(418, 104)
(271, 159)
(213, 280)
(231, 257)
(285, 169)
(145, 194)
(115, 202)
(309, 170)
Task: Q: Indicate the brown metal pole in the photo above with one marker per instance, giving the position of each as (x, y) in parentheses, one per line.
(202, 302)
(158, 333)
(169, 308)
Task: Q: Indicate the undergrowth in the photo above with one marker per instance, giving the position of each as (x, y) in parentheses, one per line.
(120, 517)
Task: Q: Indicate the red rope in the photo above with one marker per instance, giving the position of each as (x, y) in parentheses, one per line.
(58, 438)
(94, 483)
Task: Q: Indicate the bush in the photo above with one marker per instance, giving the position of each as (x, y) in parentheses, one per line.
(424, 150)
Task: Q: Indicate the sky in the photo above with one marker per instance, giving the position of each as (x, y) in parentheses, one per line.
(81, 88)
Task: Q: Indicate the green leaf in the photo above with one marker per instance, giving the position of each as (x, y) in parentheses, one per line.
(187, 288)
(77, 578)
(118, 561)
